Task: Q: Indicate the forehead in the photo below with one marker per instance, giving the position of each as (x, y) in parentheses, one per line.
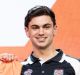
(40, 20)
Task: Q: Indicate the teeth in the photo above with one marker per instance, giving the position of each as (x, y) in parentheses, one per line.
(41, 39)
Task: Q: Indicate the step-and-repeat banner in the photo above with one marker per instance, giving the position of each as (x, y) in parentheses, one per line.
(12, 35)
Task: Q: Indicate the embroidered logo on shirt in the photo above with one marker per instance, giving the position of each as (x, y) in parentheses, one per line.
(28, 72)
(58, 72)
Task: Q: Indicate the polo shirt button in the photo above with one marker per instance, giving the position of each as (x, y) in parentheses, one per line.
(43, 71)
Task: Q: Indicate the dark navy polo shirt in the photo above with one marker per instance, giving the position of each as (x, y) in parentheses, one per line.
(61, 64)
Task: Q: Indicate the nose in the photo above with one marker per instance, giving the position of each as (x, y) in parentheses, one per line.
(41, 31)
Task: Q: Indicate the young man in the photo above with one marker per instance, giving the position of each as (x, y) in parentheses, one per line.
(40, 27)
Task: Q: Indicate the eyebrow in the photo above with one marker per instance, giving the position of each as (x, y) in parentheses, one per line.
(34, 25)
(46, 24)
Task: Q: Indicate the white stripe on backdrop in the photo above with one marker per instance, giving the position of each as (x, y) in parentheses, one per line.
(12, 13)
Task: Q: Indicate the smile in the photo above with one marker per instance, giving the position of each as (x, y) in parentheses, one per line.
(41, 39)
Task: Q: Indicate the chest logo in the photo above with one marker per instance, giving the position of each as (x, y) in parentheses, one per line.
(28, 72)
(58, 72)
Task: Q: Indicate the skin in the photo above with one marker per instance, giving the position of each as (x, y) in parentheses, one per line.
(41, 32)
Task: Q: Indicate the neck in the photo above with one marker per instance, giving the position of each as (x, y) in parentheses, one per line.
(45, 54)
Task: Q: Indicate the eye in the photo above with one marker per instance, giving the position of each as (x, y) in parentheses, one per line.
(47, 26)
(35, 27)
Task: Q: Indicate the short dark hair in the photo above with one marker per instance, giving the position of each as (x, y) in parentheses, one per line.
(39, 11)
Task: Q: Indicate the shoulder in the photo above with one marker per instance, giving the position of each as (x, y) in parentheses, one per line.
(71, 60)
(75, 63)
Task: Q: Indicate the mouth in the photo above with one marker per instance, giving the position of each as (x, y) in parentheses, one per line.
(41, 39)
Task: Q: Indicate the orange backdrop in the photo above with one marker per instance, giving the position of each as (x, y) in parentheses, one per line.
(68, 31)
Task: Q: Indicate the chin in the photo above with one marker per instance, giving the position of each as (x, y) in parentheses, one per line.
(42, 46)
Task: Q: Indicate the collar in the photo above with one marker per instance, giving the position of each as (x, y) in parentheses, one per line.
(57, 58)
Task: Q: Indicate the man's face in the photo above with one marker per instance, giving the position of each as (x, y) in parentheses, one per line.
(41, 31)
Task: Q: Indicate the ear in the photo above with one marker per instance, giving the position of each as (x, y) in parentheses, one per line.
(27, 31)
(55, 30)
(55, 27)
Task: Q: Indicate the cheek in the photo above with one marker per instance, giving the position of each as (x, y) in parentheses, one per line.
(50, 32)
(32, 33)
